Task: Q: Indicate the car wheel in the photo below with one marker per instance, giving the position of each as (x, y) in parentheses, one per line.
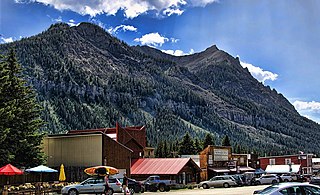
(226, 185)
(73, 192)
(286, 180)
(162, 187)
(167, 188)
(257, 183)
(205, 186)
(274, 182)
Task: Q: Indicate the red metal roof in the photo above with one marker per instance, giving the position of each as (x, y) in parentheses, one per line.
(158, 166)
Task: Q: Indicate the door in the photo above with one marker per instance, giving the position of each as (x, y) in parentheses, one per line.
(87, 186)
(99, 185)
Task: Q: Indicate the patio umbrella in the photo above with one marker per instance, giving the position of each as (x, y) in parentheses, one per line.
(101, 170)
(10, 170)
(41, 169)
(62, 175)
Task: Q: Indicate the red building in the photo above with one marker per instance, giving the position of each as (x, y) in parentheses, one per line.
(304, 160)
(179, 170)
(131, 137)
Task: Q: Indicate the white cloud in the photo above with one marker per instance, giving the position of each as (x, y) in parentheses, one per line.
(202, 3)
(152, 39)
(310, 110)
(178, 52)
(131, 8)
(258, 73)
(123, 28)
(6, 40)
(170, 11)
(72, 23)
(308, 106)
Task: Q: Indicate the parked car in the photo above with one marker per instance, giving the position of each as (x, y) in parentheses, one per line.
(92, 185)
(219, 181)
(286, 177)
(134, 185)
(290, 188)
(153, 184)
(315, 181)
(239, 179)
(266, 179)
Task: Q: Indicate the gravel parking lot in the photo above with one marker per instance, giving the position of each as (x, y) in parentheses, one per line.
(245, 190)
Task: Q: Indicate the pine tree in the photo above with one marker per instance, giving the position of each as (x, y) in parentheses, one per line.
(186, 146)
(158, 152)
(165, 150)
(197, 146)
(208, 140)
(20, 123)
(225, 141)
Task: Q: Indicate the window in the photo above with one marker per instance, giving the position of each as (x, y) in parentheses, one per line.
(210, 160)
(311, 190)
(287, 161)
(272, 161)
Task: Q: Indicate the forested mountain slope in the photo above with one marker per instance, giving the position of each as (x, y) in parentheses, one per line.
(86, 78)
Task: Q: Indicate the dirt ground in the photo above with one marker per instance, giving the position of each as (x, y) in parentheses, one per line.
(246, 190)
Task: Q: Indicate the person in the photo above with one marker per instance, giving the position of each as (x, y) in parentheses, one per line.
(125, 183)
(106, 185)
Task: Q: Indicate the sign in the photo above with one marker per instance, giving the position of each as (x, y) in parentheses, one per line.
(220, 154)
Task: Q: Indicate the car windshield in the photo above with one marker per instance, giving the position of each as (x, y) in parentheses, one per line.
(268, 190)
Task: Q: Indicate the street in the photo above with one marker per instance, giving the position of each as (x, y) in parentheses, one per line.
(246, 190)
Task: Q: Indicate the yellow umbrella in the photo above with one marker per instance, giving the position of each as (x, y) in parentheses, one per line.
(62, 175)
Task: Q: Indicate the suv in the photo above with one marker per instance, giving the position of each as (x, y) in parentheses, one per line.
(92, 185)
(286, 177)
(219, 181)
(267, 179)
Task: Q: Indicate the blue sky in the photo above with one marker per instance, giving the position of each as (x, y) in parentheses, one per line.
(278, 40)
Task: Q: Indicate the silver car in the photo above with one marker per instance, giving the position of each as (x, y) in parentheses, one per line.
(218, 181)
(267, 179)
(93, 185)
(291, 188)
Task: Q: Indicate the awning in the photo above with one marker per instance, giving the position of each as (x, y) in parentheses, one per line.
(282, 168)
(219, 170)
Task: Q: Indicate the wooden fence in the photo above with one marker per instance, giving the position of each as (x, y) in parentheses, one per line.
(73, 174)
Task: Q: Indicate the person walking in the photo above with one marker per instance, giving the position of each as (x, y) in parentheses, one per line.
(107, 189)
(125, 184)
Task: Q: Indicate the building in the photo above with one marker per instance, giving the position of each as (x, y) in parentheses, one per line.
(316, 166)
(246, 160)
(132, 137)
(105, 146)
(304, 162)
(82, 150)
(219, 160)
(214, 160)
(180, 170)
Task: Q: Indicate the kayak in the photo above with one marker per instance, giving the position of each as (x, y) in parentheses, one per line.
(101, 170)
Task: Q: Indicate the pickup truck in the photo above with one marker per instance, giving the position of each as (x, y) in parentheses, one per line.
(153, 184)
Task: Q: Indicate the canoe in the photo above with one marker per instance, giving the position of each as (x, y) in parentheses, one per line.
(101, 170)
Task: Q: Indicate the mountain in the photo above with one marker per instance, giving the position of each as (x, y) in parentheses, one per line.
(86, 78)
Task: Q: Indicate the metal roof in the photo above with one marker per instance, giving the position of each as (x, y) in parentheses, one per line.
(160, 166)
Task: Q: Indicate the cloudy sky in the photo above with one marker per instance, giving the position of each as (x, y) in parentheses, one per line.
(278, 41)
